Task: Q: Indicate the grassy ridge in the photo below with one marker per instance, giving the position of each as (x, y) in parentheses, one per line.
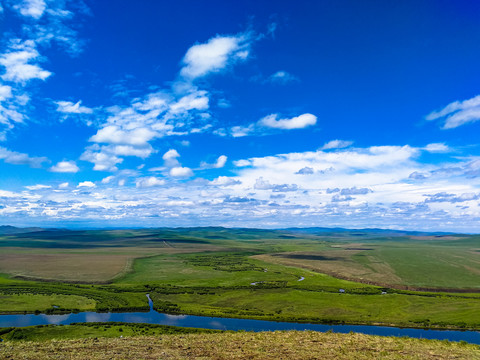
(92, 330)
(242, 345)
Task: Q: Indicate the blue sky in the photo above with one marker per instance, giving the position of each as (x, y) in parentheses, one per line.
(254, 113)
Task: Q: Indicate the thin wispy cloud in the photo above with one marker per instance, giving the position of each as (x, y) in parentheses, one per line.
(458, 113)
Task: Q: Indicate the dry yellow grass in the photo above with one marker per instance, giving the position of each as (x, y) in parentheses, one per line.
(337, 263)
(243, 345)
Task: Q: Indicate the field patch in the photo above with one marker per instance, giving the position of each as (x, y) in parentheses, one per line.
(338, 262)
(64, 267)
(44, 303)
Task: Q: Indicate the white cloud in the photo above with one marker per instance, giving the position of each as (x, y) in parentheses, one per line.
(108, 179)
(102, 158)
(458, 113)
(149, 182)
(63, 185)
(17, 63)
(171, 154)
(69, 107)
(298, 122)
(194, 101)
(38, 187)
(364, 187)
(128, 150)
(12, 105)
(114, 135)
(13, 157)
(215, 55)
(241, 131)
(5, 92)
(182, 172)
(437, 148)
(87, 184)
(65, 167)
(305, 171)
(224, 181)
(221, 161)
(336, 144)
(282, 77)
(32, 8)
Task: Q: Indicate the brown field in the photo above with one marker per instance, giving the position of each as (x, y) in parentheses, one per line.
(65, 267)
(89, 265)
(337, 263)
(242, 345)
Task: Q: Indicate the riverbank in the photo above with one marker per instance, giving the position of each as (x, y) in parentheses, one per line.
(242, 345)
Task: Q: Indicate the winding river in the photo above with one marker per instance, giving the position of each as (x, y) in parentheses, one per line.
(153, 317)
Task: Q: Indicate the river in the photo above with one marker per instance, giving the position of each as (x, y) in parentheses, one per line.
(153, 317)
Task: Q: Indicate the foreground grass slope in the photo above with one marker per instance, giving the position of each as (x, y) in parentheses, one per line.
(241, 345)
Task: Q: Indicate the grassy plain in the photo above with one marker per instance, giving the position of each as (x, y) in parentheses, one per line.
(276, 275)
(33, 302)
(241, 345)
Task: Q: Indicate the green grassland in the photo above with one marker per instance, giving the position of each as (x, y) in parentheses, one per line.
(264, 274)
(225, 345)
(92, 330)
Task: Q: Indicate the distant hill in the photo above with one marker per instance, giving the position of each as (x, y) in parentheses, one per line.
(12, 230)
(371, 231)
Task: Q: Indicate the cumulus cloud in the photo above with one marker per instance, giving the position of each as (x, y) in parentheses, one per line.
(87, 184)
(148, 182)
(305, 171)
(102, 159)
(270, 122)
(369, 187)
(13, 157)
(298, 122)
(224, 181)
(181, 172)
(170, 155)
(215, 55)
(241, 131)
(18, 65)
(355, 191)
(108, 179)
(262, 184)
(65, 167)
(31, 8)
(437, 148)
(336, 144)
(220, 163)
(458, 113)
(69, 107)
(115, 135)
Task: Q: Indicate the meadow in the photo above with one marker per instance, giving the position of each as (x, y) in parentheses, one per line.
(314, 275)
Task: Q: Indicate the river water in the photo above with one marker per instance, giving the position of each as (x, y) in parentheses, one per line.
(153, 317)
